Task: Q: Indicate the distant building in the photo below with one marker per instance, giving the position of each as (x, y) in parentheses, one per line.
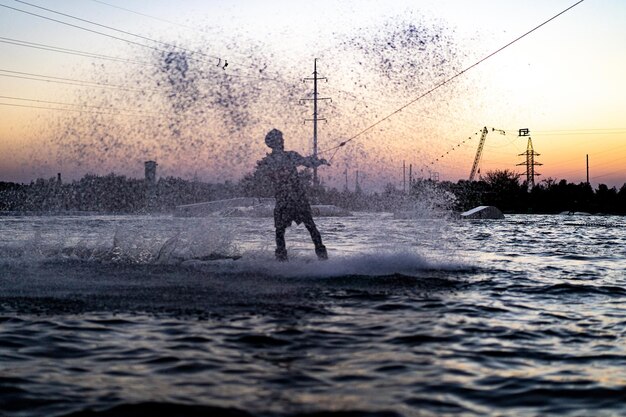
(150, 171)
(150, 182)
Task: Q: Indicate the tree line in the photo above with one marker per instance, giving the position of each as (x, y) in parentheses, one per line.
(503, 189)
(119, 194)
(109, 194)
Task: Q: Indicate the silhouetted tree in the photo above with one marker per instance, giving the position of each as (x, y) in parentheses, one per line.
(606, 199)
(505, 191)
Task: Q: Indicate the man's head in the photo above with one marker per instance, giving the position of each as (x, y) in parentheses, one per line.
(274, 139)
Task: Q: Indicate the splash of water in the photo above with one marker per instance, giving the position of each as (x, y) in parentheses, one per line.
(194, 116)
(144, 242)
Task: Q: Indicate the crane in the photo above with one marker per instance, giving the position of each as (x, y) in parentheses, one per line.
(479, 151)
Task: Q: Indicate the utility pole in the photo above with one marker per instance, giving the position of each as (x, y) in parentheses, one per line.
(315, 118)
(403, 176)
(530, 159)
(587, 169)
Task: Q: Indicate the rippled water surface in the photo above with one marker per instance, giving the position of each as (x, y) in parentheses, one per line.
(146, 316)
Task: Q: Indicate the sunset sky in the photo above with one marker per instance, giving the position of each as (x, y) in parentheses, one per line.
(151, 85)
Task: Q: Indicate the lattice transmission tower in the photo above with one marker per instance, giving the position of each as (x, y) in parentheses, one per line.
(530, 159)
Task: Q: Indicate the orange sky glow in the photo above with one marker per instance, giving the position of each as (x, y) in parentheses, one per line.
(152, 85)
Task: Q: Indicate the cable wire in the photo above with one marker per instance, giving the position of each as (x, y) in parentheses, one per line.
(84, 28)
(221, 61)
(78, 105)
(446, 81)
(150, 16)
(67, 81)
(52, 48)
(73, 110)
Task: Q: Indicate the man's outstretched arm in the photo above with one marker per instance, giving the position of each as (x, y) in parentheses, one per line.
(307, 161)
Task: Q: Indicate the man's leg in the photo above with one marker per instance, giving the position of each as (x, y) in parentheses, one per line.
(279, 224)
(281, 249)
(316, 237)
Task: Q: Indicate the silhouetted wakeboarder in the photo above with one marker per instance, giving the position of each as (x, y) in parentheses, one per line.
(280, 167)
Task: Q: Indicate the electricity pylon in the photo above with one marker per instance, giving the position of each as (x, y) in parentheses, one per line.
(530, 159)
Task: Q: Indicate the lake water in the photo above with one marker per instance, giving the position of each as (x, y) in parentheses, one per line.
(130, 315)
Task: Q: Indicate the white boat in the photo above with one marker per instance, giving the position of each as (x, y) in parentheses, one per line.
(483, 212)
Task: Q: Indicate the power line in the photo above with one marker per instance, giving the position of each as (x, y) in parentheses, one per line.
(75, 105)
(611, 162)
(170, 22)
(371, 104)
(607, 174)
(221, 62)
(112, 36)
(116, 30)
(150, 16)
(84, 28)
(73, 110)
(52, 48)
(509, 143)
(69, 81)
(567, 161)
(579, 130)
(66, 81)
(617, 132)
(446, 81)
(600, 165)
